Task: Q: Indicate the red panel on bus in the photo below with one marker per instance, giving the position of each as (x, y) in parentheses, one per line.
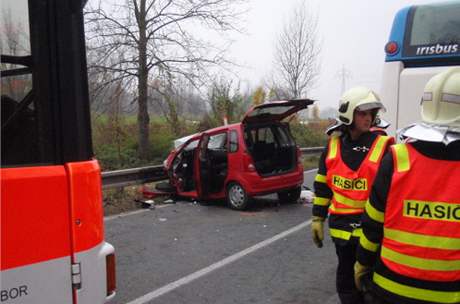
(34, 215)
(86, 202)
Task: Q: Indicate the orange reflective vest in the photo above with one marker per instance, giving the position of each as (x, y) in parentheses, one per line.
(422, 223)
(351, 188)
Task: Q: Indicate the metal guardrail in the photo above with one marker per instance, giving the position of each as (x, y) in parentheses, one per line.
(135, 176)
(311, 151)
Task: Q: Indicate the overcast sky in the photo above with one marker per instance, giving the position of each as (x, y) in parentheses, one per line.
(353, 35)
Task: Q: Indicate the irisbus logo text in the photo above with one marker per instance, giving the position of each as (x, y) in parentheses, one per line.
(438, 49)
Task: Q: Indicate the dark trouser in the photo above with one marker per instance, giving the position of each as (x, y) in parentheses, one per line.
(373, 299)
(345, 282)
(369, 294)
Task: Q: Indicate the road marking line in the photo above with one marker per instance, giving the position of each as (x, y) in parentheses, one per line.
(311, 170)
(191, 277)
(111, 217)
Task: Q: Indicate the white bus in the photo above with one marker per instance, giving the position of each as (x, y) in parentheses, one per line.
(424, 40)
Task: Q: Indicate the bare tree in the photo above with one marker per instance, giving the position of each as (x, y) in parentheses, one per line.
(138, 40)
(225, 101)
(277, 91)
(14, 41)
(175, 94)
(168, 94)
(297, 54)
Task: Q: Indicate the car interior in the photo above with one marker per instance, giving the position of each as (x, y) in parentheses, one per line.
(272, 148)
(214, 166)
(217, 161)
(183, 167)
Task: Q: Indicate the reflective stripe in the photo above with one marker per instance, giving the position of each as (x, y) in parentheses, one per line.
(452, 98)
(373, 213)
(320, 178)
(421, 240)
(321, 201)
(357, 232)
(378, 148)
(345, 235)
(402, 157)
(333, 145)
(344, 210)
(348, 201)
(427, 96)
(366, 244)
(420, 263)
(417, 293)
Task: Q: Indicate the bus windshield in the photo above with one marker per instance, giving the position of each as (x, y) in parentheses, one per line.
(435, 24)
(433, 30)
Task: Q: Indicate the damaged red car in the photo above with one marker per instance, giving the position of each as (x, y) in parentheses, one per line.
(235, 162)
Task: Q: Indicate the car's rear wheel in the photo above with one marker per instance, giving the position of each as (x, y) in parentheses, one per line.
(290, 196)
(237, 198)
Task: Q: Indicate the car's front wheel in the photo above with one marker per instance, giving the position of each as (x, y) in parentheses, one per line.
(290, 196)
(237, 198)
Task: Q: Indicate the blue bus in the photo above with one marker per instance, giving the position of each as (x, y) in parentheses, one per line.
(424, 40)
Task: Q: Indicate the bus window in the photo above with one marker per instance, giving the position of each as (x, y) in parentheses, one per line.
(19, 128)
(435, 24)
(433, 30)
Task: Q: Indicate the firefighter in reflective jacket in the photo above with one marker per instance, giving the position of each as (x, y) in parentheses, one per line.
(347, 168)
(410, 248)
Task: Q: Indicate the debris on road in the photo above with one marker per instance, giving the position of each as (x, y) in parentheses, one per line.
(306, 197)
(148, 204)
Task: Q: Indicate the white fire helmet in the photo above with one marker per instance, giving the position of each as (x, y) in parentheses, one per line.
(357, 98)
(441, 99)
(440, 109)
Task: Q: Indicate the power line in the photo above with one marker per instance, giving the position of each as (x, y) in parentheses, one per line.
(343, 74)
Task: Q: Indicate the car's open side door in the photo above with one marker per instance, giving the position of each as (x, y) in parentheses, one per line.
(202, 167)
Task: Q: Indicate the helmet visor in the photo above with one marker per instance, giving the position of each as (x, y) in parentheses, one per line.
(370, 106)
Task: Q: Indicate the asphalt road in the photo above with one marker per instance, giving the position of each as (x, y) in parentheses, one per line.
(189, 253)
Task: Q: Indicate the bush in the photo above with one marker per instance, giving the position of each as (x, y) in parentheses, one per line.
(311, 135)
(113, 144)
(310, 162)
(161, 139)
(116, 147)
(112, 157)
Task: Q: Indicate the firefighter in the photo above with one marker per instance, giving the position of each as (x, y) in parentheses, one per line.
(347, 168)
(410, 248)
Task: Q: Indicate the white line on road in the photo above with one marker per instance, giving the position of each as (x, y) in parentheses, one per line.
(111, 217)
(191, 277)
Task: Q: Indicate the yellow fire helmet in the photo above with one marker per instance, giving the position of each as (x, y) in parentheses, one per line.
(357, 98)
(441, 99)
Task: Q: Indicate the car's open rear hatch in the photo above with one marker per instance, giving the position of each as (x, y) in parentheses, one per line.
(275, 110)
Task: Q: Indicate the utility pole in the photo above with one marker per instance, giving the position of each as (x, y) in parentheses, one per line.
(343, 74)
